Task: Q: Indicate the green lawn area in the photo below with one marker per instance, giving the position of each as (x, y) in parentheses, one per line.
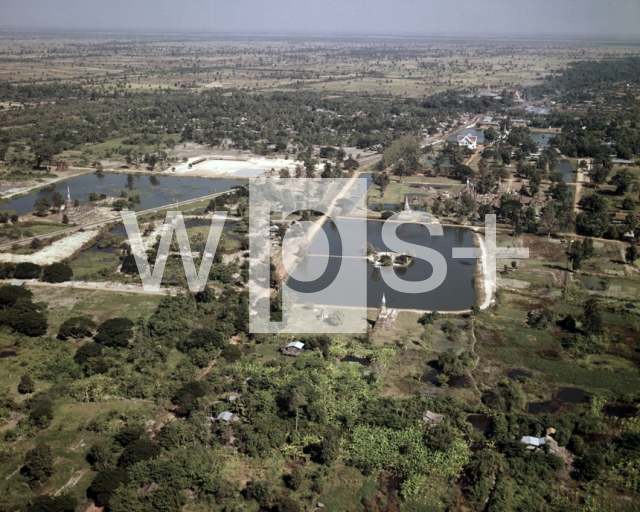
(101, 305)
(395, 192)
(507, 340)
(90, 262)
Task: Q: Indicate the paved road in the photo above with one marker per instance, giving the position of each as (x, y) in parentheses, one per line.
(108, 221)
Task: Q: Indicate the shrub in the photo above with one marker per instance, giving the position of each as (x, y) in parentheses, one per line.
(591, 466)
(329, 448)
(174, 434)
(9, 295)
(105, 482)
(100, 456)
(38, 464)
(57, 273)
(206, 338)
(142, 449)
(258, 490)
(336, 317)
(88, 351)
(206, 296)
(451, 330)
(231, 353)
(26, 385)
(27, 270)
(76, 327)
(115, 332)
(45, 503)
(296, 478)
(7, 270)
(289, 505)
(129, 434)
(129, 265)
(26, 319)
(543, 320)
(41, 411)
(186, 397)
(576, 444)
(429, 318)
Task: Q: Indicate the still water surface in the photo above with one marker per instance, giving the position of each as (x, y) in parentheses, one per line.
(153, 190)
(456, 293)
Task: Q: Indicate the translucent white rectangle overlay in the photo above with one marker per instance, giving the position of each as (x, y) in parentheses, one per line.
(273, 258)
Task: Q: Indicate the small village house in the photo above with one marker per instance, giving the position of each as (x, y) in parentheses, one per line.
(227, 417)
(293, 349)
(433, 418)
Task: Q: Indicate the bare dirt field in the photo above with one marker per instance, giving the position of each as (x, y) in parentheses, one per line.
(55, 252)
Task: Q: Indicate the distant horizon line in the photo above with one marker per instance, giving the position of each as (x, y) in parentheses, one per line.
(88, 32)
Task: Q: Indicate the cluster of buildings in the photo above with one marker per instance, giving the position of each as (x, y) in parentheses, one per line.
(537, 200)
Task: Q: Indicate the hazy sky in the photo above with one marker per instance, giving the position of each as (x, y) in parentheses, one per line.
(488, 18)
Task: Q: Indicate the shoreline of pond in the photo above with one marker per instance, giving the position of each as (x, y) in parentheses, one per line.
(55, 184)
(478, 285)
(137, 172)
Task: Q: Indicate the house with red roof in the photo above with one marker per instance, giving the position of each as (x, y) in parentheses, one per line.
(469, 141)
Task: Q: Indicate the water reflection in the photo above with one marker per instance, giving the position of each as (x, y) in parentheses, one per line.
(164, 189)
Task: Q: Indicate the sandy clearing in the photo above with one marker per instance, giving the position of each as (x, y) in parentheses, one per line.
(104, 286)
(220, 166)
(55, 252)
(514, 283)
(578, 191)
(489, 287)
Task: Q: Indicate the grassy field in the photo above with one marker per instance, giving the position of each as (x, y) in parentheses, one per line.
(70, 445)
(65, 302)
(396, 191)
(332, 66)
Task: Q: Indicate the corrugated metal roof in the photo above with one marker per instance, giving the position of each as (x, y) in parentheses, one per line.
(296, 344)
(224, 416)
(533, 441)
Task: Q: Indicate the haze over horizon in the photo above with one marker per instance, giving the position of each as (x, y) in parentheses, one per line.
(584, 19)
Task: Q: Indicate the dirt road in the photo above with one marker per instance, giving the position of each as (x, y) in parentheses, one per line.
(105, 286)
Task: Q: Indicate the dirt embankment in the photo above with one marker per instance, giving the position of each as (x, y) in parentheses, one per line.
(54, 253)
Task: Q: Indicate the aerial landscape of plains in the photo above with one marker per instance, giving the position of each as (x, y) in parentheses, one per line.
(319, 256)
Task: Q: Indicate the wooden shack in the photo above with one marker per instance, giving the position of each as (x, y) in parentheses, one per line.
(293, 349)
